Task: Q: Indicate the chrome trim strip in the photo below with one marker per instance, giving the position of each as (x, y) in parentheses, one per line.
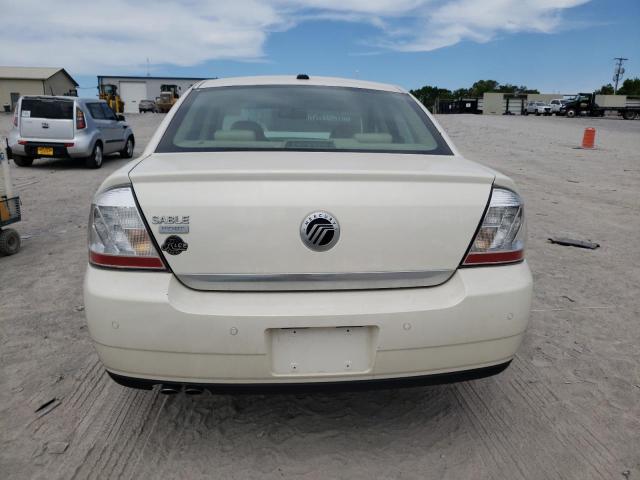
(315, 281)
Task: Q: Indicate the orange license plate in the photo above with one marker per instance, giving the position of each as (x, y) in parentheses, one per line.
(45, 151)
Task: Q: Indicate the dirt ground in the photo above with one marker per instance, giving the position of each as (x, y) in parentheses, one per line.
(567, 408)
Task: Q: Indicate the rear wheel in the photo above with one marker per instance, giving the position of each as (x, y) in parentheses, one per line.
(526, 112)
(95, 159)
(127, 151)
(22, 161)
(629, 115)
(9, 242)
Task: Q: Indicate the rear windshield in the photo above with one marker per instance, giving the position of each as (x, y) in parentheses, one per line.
(53, 108)
(301, 118)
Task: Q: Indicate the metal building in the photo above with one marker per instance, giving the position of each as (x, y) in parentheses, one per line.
(134, 89)
(17, 81)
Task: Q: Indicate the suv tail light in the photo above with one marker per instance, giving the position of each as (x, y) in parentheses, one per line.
(118, 238)
(80, 122)
(501, 236)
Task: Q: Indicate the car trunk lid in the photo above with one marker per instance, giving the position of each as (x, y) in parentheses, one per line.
(46, 118)
(405, 220)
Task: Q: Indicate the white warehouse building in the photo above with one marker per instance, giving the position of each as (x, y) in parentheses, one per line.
(134, 89)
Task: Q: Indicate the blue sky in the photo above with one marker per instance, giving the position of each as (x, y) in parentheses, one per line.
(559, 46)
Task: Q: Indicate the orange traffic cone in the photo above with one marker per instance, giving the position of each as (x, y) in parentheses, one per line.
(589, 138)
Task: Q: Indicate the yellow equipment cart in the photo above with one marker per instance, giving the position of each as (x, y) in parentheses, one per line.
(9, 208)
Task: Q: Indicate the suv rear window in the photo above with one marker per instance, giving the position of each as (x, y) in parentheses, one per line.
(315, 118)
(53, 108)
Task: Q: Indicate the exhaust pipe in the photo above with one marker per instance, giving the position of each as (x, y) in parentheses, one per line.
(169, 389)
(192, 390)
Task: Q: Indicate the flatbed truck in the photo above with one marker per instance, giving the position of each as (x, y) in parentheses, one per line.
(585, 104)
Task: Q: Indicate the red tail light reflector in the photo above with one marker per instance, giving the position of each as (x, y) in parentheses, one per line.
(118, 237)
(80, 121)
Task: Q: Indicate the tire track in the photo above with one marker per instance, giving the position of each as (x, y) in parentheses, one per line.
(120, 428)
(546, 444)
(487, 435)
(600, 454)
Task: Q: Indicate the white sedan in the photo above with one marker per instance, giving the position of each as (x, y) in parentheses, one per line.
(288, 231)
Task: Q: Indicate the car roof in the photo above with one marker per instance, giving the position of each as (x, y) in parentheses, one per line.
(63, 97)
(292, 80)
(60, 97)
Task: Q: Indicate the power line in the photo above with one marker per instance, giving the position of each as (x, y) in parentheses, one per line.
(618, 72)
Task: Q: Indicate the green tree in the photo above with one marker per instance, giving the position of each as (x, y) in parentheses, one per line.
(631, 86)
(605, 89)
(524, 89)
(460, 93)
(427, 95)
(480, 87)
(509, 88)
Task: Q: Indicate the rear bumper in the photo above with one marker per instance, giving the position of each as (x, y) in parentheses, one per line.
(82, 146)
(148, 326)
(399, 382)
(59, 149)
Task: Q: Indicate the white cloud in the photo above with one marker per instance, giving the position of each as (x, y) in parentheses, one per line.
(118, 35)
(446, 24)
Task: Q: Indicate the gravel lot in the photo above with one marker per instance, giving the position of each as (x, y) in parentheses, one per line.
(568, 407)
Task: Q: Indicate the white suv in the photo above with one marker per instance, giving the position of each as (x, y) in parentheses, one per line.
(556, 104)
(539, 108)
(280, 231)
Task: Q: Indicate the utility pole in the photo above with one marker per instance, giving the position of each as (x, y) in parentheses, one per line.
(618, 72)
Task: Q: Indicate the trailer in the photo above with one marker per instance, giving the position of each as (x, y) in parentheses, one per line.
(585, 104)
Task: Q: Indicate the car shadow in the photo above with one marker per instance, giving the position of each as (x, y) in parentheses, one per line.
(383, 427)
(376, 412)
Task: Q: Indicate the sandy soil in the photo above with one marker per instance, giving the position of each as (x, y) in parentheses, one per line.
(568, 407)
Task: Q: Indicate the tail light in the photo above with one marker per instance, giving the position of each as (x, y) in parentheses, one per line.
(80, 122)
(118, 238)
(501, 236)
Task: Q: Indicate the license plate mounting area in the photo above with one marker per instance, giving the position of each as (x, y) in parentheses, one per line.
(45, 151)
(322, 350)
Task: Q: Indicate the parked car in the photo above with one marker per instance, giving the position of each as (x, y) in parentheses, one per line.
(147, 106)
(68, 127)
(556, 104)
(292, 230)
(538, 108)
